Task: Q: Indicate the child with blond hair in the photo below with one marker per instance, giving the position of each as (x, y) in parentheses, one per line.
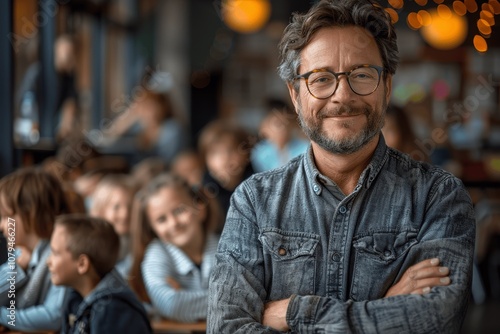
(112, 201)
(174, 248)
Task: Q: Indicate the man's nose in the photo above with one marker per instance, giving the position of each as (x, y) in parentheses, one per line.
(344, 93)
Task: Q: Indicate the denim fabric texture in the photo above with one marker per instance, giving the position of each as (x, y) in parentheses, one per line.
(290, 232)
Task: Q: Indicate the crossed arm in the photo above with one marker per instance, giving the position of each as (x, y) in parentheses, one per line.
(419, 302)
(418, 280)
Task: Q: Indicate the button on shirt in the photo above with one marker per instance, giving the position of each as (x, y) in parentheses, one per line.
(291, 233)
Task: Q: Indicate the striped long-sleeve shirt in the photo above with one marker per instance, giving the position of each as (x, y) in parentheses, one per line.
(163, 261)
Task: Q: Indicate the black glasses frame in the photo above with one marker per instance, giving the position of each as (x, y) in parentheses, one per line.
(305, 76)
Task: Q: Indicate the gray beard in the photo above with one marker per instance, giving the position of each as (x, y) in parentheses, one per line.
(345, 145)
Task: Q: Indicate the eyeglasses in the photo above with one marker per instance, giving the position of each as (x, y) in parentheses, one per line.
(323, 83)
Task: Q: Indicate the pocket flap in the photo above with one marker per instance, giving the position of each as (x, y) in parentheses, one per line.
(288, 245)
(386, 245)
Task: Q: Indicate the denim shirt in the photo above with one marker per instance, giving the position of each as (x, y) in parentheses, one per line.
(290, 232)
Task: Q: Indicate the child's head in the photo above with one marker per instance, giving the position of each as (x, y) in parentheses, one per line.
(33, 198)
(398, 132)
(85, 185)
(170, 210)
(112, 200)
(147, 169)
(279, 123)
(189, 165)
(81, 246)
(225, 148)
(154, 107)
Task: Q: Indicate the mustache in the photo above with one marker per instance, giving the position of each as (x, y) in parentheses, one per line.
(342, 111)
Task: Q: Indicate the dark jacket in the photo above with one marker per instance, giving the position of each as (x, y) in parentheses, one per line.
(213, 187)
(110, 308)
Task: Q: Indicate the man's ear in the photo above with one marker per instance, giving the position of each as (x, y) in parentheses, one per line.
(294, 94)
(83, 264)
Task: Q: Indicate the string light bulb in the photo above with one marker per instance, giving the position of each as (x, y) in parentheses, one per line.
(447, 30)
(246, 16)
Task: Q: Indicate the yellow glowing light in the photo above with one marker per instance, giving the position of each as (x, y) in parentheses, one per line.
(444, 12)
(483, 27)
(471, 5)
(480, 44)
(246, 16)
(393, 14)
(425, 17)
(446, 31)
(414, 21)
(421, 2)
(396, 3)
(459, 8)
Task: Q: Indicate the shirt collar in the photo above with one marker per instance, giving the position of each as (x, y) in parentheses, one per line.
(367, 176)
(183, 263)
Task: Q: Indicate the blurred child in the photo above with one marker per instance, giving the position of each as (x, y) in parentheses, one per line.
(85, 185)
(112, 200)
(280, 142)
(398, 133)
(174, 248)
(226, 148)
(147, 169)
(74, 199)
(30, 200)
(84, 252)
(189, 165)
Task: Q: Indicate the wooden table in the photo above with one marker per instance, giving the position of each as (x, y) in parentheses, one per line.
(164, 326)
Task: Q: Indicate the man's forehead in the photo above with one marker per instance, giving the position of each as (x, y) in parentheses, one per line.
(349, 42)
(354, 37)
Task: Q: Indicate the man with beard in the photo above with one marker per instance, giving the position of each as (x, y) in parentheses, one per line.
(352, 236)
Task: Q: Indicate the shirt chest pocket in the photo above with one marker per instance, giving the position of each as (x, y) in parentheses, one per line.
(377, 259)
(290, 262)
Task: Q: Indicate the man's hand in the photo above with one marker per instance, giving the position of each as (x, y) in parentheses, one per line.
(420, 278)
(275, 315)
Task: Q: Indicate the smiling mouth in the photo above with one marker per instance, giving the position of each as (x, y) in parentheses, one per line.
(344, 115)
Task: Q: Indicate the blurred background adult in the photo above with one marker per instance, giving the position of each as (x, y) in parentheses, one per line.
(28, 94)
(153, 125)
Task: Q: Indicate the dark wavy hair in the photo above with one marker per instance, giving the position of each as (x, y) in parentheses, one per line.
(337, 13)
